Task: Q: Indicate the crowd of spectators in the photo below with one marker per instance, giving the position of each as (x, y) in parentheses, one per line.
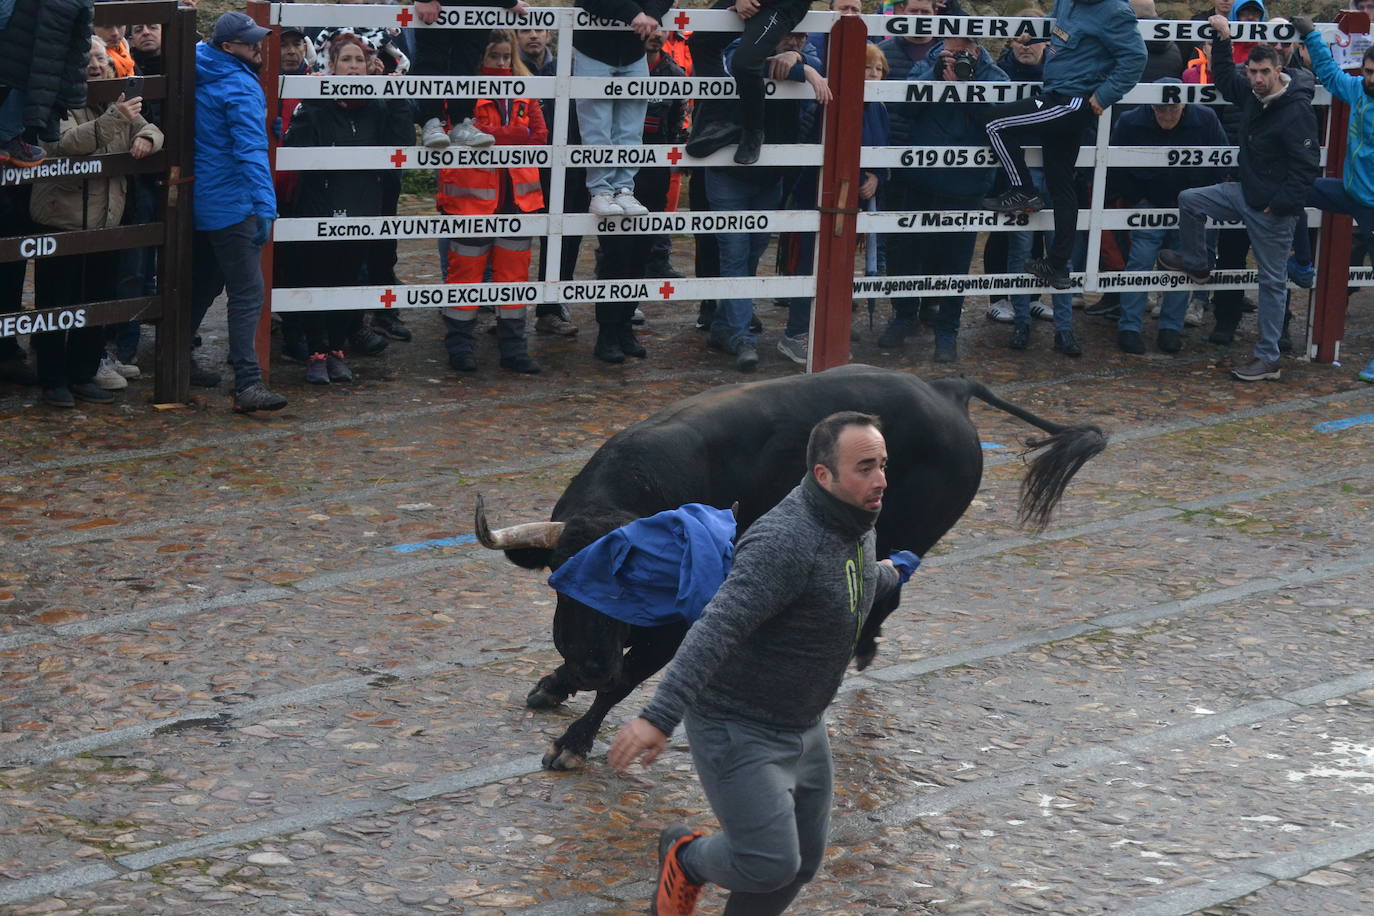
(1094, 56)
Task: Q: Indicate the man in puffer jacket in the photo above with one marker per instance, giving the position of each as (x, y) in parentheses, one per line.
(1095, 57)
(43, 52)
(68, 360)
(235, 202)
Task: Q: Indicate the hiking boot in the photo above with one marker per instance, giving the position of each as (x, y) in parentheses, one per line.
(946, 350)
(434, 136)
(1065, 343)
(1020, 337)
(556, 325)
(523, 363)
(1168, 259)
(628, 204)
(1302, 275)
(676, 894)
(629, 343)
(897, 331)
(60, 396)
(1000, 310)
(90, 392)
(462, 362)
(203, 378)
(1015, 200)
(257, 397)
(750, 146)
(336, 368)
(1055, 275)
(1168, 341)
(604, 205)
(711, 136)
(746, 358)
(21, 153)
(1256, 370)
(316, 371)
(389, 324)
(466, 133)
(107, 377)
(1130, 342)
(607, 347)
(1367, 373)
(366, 342)
(794, 348)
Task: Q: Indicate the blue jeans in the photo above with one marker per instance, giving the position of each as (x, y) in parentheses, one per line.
(610, 123)
(1145, 245)
(1271, 238)
(1329, 194)
(1018, 249)
(12, 115)
(227, 260)
(739, 251)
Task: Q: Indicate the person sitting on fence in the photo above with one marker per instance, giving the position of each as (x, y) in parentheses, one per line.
(44, 49)
(1096, 55)
(1159, 125)
(482, 192)
(620, 121)
(451, 52)
(68, 360)
(345, 122)
(955, 60)
(750, 190)
(235, 202)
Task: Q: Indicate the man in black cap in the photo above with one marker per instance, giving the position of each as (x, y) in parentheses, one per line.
(235, 202)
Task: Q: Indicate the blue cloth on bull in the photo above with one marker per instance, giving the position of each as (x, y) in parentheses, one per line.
(654, 571)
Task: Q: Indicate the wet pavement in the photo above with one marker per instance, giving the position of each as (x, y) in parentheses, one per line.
(257, 664)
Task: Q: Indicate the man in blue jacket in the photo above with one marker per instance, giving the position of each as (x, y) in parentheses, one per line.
(1353, 192)
(235, 202)
(953, 188)
(1095, 56)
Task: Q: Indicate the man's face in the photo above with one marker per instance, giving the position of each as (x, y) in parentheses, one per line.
(110, 34)
(249, 54)
(860, 475)
(292, 52)
(920, 8)
(147, 38)
(792, 41)
(1249, 13)
(1367, 71)
(534, 41)
(1263, 76)
(847, 7)
(899, 8)
(1030, 52)
(1221, 7)
(654, 43)
(1168, 116)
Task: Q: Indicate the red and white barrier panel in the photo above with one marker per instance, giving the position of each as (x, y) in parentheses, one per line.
(343, 158)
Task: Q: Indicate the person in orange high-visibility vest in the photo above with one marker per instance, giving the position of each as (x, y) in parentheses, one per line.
(485, 191)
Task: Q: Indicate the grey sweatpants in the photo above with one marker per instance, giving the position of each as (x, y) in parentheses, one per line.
(771, 792)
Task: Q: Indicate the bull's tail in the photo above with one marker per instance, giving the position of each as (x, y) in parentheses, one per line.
(1061, 454)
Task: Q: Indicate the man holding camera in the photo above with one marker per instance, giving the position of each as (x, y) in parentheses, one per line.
(1096, 56)
(958, 60)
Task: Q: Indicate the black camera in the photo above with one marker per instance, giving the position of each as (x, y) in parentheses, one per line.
(963, 63)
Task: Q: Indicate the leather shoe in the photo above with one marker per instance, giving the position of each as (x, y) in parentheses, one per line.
(750, 145)
(712, 137)
(1130, 342)
(463, 362)
(607, 347)
(1065, 343)
(1168, 341)
(1020, 337)
(523, 363)
(629, 343)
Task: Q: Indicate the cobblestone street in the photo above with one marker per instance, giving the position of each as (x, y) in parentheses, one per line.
(257, 664)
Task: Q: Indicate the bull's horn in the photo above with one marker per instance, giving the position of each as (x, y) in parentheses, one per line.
(533, 534)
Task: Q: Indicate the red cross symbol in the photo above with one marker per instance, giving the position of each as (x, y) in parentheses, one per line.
(667, 289)
(387, 299)
(681, 21)
(404, 17)
(398, 158)
(674, 156)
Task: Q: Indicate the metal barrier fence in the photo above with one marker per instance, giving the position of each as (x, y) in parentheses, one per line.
(840, 147)
(170, 233)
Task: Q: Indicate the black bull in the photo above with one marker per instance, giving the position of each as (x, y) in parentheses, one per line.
(746, 444)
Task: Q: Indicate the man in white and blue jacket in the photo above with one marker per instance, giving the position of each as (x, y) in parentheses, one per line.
(1095, 56)
(1353, 192)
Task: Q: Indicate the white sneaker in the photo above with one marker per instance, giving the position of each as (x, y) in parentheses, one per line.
(1000, 310)
(1196, 315)
(604, 205)
(470, 135)
(108, 377)
(794, 348)
(128, 370)
(625, 198)
(434, 136)
(1042, 311)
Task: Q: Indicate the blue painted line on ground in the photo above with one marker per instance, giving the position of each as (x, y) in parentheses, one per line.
(1331, 426)
(992, 446)
(434, 545)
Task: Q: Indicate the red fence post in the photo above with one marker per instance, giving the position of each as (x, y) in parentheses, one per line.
(261, 11)
(839, 197)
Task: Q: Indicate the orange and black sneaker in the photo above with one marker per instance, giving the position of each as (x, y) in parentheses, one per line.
(676, 894)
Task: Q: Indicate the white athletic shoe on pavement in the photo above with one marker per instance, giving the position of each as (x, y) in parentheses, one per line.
(108, 377)
(1000, 310)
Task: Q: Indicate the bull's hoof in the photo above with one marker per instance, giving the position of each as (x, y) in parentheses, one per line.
(539, 698)
(560, 758)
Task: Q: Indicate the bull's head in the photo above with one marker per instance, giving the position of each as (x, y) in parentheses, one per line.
(591, 643)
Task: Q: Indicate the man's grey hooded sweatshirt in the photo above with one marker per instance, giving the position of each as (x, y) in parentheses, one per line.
(772, 645)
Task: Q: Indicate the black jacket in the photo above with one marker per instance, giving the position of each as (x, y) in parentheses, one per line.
(323, 122)
(43, 51)
(665, 119)
(617, 48)
(1279, 147)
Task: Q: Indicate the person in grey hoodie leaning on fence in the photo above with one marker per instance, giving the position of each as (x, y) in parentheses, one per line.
(754, 675)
